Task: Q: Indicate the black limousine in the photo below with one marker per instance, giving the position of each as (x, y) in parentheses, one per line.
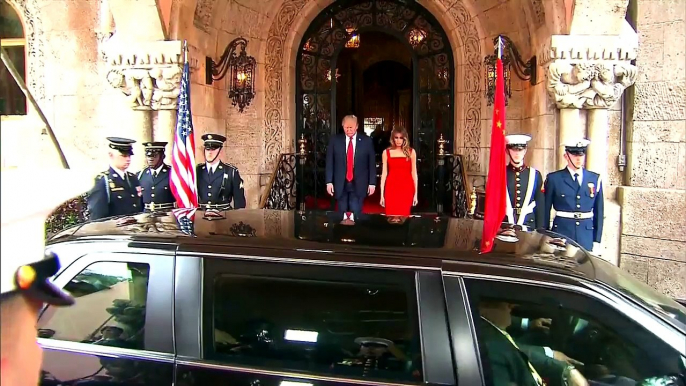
(287, 298)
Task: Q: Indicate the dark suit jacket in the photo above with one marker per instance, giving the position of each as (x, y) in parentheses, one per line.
(364, 173)
(509, 365)
(112, 196)
(225, 186)
(156, 189)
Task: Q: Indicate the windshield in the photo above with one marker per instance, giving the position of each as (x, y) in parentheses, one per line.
(640, 291)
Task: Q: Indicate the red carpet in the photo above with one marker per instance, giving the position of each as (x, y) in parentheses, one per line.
(370, 206)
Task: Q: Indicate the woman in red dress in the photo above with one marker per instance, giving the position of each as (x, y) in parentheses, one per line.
(399, 175)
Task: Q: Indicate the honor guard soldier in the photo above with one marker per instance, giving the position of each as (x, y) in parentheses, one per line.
(154, 179)
(577, 196)
(219, 183)
(116, 191)
(26, 269)
(525, 198)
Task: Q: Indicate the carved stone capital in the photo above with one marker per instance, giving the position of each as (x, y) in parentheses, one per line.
(149, 74)
(588, 72)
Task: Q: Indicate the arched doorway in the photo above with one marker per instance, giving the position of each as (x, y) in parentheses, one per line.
(327, 71)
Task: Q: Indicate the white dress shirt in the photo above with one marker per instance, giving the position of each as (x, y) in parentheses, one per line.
(347, 143)
(212, 167)
(580, 173)
(121, 173)
(157, 171)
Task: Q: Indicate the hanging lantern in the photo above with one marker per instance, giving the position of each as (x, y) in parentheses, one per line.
(353, 40)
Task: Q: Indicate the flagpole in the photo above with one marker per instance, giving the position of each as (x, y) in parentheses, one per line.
(185, 51)
(500, 47)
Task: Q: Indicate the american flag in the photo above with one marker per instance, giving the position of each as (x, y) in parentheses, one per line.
(183, 182)
(185, 218)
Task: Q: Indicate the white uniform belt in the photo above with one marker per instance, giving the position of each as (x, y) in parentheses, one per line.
(163, 206)
(215, 206)
(575, 215)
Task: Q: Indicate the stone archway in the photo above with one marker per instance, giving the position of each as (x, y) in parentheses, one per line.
(285, 33)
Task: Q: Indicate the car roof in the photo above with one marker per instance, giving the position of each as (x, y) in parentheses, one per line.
(426, 240)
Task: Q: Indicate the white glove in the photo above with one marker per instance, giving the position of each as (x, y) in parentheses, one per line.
(597, 249)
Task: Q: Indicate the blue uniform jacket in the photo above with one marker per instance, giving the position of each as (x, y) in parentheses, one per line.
(565, 195)
(156, 189)
(112, 196)
(223, 187)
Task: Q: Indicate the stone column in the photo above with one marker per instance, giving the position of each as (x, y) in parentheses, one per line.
(589, 73)
(166, 126)
(149, 75)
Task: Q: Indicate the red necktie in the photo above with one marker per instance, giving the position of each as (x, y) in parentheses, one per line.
(350, 161)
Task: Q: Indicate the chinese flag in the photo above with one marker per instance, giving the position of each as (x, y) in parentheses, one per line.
(496, 183)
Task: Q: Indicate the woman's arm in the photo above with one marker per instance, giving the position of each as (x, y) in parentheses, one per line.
(413, 156)
(384, 171)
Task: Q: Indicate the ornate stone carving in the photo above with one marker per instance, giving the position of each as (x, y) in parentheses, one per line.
(148, 74)
(274, 112)
(589, 85)
(102, 37)
(202, 18)
(588, 72)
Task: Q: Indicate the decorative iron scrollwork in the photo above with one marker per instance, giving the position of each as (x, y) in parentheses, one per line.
(281, 194)
(457, 185)
(242, 230)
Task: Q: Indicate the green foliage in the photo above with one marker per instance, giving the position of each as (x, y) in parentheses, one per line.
(70, 213)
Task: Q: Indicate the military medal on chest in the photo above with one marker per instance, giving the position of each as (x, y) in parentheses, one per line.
(591, 189)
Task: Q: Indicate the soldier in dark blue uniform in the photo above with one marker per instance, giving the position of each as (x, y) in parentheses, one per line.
(219, 184)
(577, 196)
(116, 191)
(154, 179)
(525, 198)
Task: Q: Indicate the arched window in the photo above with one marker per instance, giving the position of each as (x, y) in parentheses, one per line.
(12, 40)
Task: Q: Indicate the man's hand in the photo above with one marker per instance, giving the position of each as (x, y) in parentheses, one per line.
(560, 356)
(541, 324)
(329, 189)
(370, 190)
(576, 379)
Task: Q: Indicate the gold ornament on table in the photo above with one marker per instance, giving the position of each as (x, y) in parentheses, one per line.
(302, 143)
(441, 146)
(472, 203)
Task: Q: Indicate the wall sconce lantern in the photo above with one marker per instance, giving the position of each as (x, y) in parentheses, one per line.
(416, 37)
(241, 68)
(510, 56)
(353, 40)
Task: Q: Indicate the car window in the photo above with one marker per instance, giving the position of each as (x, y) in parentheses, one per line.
(342, 328)
(552, 330)
(109, 310)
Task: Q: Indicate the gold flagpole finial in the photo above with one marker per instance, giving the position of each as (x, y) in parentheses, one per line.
(185, 51)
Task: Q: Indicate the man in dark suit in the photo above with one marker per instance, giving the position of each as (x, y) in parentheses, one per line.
(116, 192)
(511, 363)
(155, 179)
(577, 196)
(526, 200)
(219, 183)
(350, 169)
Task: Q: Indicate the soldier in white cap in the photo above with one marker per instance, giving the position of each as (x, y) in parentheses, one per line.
(525, 198)
(577, 196)
(26, 269)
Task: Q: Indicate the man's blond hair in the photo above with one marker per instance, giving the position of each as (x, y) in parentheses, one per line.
(351, 117)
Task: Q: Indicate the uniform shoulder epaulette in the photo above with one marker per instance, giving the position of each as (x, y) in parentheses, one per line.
(102, 174)
(230, 165)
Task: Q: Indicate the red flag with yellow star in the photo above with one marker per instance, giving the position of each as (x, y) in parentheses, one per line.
(496, 182)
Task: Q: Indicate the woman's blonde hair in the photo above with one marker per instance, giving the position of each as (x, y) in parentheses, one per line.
(406, 141)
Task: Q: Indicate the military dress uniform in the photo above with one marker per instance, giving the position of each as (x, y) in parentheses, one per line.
(157, 194)
(577, 197)
(525, 198)
(114, 194)
(222, 187)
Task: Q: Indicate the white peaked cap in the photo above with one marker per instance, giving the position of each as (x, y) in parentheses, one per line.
(517, 139)
(25, 208)
(577, 142)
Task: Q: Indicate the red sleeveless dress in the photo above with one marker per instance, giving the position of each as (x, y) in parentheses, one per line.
(399, 189)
